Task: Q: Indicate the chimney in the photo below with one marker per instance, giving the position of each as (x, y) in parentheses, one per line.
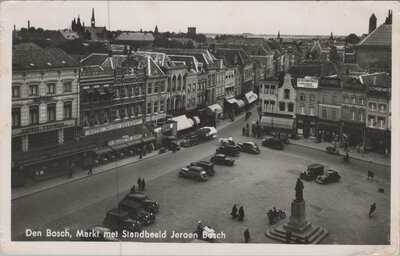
(29, 24)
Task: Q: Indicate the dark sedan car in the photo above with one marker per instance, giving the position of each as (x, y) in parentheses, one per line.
(312, 172)
(222, 159)
(249, 147)
(274, 143)
(230, 150)
(147, 203)
(328, 177)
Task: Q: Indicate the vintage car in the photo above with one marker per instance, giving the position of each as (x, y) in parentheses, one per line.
(229, 150)
(136, 211)
(328, 177)
(208, 132)
(98, 233)
(190, 140)
(312, 172)
(272, 142)
(249, 147)
(222, 159)
(117, 219)
(193, 172)
(145, 201)
(207, 166)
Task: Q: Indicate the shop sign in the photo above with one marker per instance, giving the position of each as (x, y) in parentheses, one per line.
(307, 83)
(124, 139)
(379, 89)
(329, 82)
(354, 86)
(111, 127)
(43, 128)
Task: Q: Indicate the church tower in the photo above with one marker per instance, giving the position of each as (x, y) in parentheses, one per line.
(92, 20)
(372, 23)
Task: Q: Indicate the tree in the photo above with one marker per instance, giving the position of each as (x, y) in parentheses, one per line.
(352, 39)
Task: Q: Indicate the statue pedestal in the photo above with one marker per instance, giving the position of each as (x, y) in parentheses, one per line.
(302, 230)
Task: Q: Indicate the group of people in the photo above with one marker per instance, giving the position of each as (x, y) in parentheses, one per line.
(141, 183)
(235, 213)
(271, 215)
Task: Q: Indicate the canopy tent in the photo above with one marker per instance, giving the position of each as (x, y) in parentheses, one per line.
(251, 97)
(183, 122)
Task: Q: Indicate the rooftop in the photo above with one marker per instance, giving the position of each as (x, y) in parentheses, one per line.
(135, 36)
(381, 36)
(42, 59)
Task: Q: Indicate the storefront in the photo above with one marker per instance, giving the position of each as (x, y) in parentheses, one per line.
(353, 133)
(328, 130)
(379, 140)
(277, 124)
(306, 125)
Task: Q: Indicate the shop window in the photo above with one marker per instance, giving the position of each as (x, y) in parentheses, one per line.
(148, 108)
(15, 91)
(382, 107)
(51, 88)
(16, 117)
(51, 112)
(67, 110)
(33, 90)
(155, 107)
(324, 113)
(290, 107)
(286, 94)
(67, 86)
(281, 106)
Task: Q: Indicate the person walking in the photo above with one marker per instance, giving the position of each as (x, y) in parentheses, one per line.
(372, 209)
(140, 153)
(143, 184)
(288, 236)
(234, 211)
(246, 235)
(139, 183)
(90, 172)
(241, 213)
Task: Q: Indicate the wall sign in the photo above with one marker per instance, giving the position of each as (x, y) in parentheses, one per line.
(110, 127)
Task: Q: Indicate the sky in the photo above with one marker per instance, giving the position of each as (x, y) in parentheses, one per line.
(223, 17)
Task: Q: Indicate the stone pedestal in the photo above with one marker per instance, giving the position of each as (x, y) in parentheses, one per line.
(302, 231)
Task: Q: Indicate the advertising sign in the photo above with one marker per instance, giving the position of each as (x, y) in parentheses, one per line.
(111, 127)
(307, 83)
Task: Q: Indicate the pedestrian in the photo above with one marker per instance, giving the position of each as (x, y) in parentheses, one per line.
(372, 209)
(246, 235)
(144, 150)
(241, 213)
(244, 131)
(143, 184)
(288, 236)
(133, 190)
(90, 172)
(139, 183)
(140, 153)
(234, 211)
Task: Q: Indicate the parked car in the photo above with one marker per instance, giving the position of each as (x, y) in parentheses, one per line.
(249, 147)
(170, 143)
(190, 140)
(145, 201)
(136, 211)
(272, 142)
(101, 234)
(117, 219)
(222, 159)
(312, 172)
(229, 150)
(193, 172)
(328, 177)
(207, 166)
(101, 159)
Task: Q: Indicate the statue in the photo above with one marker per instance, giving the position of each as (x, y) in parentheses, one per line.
(299, 190)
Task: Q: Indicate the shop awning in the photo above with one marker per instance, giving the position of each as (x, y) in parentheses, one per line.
(183, 122)
(240, 103)
(215, 108)
(277, 122)
(120, 146)
(251, 97)
(148, 139)
(232, 101)
(104, 150)
(134, 143)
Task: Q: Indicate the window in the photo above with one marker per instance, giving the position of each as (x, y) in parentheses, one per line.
(51, 112)
(155, 107)
(51, 88)
(117, 93)
(334, 99)
(362, 117)
(362, 100)
(106, 116)
(381, 122)
(324, 113)
(15, 91)
(162, 87)
(312, 97)
(149, 88)
(382, 107)
(266, 89)
(67, 110)
(281, 106)
(124, 112)
(156, 87)
(33, 90)
(286, 94)
(334, 114)
(346, 99)
(272, 105)
(371, 121)
(16, 117)
(302, 97)
(290, 107)
(302, 110)
(96, 117)
(272, 91)
(162, 105)
(372, 106)
(148, 108)
(67, 86)
(86, 119)
(33, 115)
(137, 91)
(123, 92)
(312, 111)
(353, 99)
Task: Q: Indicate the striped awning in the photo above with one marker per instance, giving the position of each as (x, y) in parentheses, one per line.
(277, 122)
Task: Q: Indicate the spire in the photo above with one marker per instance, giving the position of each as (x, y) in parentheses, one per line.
(331, 38)
(93, 20)
(279, 34)
(156, 30)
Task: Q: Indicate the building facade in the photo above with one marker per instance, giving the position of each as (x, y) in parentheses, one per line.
(307, 106)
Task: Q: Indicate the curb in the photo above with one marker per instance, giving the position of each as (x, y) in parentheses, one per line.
(360, 159)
